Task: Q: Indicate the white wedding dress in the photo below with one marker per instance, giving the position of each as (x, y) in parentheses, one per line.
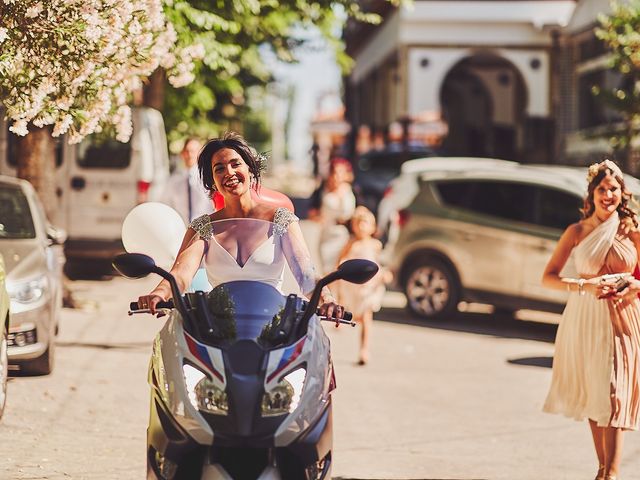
(252, 249)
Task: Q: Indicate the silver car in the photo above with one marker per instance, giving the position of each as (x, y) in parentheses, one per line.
(483, 230)
(33, 262)
(4, 332)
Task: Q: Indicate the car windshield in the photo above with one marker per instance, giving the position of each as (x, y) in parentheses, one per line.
(15, 215)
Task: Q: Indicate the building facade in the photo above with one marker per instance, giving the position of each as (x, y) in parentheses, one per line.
(505, 79)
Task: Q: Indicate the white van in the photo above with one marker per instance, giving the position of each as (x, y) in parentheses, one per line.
(100, 180)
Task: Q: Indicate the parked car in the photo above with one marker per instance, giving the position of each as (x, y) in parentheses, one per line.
(4, 332)
(33, 261)
(485, 234)
(375, 169)
(98, 182)
(403, 189)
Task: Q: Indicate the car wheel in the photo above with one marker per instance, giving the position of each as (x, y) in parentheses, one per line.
(43, 365)
(432, 288)
(4, 372)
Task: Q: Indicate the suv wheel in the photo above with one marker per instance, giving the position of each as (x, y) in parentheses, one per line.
(432, 288)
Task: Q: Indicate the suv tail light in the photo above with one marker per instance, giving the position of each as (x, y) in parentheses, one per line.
(143, 191)
(403, 217)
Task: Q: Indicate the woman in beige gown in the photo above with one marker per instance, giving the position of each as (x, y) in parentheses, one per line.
(596, 367)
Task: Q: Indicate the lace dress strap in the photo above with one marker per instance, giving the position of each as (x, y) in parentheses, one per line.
(202, 226)
(282, 219)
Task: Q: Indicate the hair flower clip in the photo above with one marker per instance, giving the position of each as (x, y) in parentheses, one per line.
(592, 172)
(262, 159)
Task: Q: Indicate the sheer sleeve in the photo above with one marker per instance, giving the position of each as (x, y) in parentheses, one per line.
(298, 257)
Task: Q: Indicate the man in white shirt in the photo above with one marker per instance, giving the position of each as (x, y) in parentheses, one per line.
(184, 191)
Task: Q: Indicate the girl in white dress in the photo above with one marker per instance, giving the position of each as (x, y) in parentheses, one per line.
(596, 367)
(229, 166)
(365, 299)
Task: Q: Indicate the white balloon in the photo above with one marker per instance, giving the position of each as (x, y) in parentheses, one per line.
(154, 229)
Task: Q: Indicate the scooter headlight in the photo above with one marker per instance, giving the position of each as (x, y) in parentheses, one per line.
(203, 393)
(284, 397)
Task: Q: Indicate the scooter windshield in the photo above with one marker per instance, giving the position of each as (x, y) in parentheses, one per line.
(245, 263)
(245, 310)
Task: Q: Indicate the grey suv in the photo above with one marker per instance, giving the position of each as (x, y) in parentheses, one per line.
(485, 235)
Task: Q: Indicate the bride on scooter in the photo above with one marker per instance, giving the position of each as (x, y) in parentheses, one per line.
(228, 165)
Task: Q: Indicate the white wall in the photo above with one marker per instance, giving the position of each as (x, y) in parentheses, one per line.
(458, 26)
(383, 43)
(425, 83)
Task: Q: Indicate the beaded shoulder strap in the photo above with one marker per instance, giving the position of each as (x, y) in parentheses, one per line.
(202, 226)
(282, 219)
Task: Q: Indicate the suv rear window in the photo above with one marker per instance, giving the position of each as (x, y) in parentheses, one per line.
(556, 209)
(15, 214)
(103, 151)
(511, 201)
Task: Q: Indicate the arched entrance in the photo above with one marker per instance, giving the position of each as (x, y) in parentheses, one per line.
(483, 100)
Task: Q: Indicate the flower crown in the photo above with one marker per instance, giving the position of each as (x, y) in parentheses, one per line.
(596, 167)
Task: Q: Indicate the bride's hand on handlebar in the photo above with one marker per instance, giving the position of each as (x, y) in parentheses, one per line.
(150, 302)
(332, 310)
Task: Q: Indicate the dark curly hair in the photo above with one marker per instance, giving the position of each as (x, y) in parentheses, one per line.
(236, 142)
(625, 212)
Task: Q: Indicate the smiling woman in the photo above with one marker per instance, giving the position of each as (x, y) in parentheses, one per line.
(597, 358)
(231, 168)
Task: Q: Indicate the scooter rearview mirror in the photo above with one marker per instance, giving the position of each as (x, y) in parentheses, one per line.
(134, 265)
(357, 270)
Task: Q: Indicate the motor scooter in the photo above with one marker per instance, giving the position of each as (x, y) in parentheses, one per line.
(241, 380)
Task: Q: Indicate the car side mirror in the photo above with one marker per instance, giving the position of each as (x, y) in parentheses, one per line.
(56, 235)
(134, 265)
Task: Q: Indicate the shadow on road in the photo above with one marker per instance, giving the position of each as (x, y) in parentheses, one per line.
(352, 478)
(496, 325)
(544, 362)
(107, 346)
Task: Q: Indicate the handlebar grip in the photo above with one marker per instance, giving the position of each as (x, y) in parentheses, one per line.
(347, 316)
(168, 304)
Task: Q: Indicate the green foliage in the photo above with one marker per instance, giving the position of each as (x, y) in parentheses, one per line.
(233, 34)
(620, 31)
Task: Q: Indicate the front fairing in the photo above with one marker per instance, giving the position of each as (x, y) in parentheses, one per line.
(233, 336)
(242, 426)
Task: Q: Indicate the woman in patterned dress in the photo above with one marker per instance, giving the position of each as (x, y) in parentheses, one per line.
(228, 165)
(596, 367)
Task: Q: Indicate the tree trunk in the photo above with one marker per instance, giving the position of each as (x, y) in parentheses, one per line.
(36, 163)
(153, 95)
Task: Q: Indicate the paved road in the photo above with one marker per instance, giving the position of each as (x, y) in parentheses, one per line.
(455, 401)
